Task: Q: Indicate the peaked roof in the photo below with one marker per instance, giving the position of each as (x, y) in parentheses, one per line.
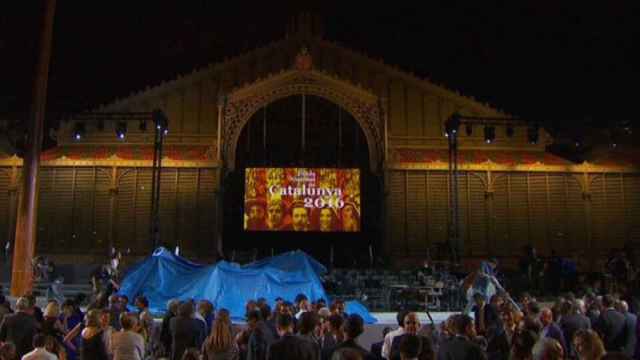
(317, 47)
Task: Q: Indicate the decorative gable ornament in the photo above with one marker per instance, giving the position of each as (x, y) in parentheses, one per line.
(304, 62)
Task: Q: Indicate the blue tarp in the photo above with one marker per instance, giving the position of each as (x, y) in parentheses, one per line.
(165, 276)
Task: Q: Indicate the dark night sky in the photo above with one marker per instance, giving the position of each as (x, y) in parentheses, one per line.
(539, 60)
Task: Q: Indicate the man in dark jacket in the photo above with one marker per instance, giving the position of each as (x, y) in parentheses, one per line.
(572, 321)
(353, 328)
(551, 329)
(610, 325)
(186, 332)
(630, 323)
(290, 346)
(19, 328)
(411, 327)
(461, 346)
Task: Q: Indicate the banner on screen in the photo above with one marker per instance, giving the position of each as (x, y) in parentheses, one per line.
(302, 199)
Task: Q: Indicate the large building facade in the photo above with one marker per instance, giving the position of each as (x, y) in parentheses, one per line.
(96, 192)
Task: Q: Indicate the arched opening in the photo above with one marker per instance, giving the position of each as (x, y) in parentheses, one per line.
(311, 132)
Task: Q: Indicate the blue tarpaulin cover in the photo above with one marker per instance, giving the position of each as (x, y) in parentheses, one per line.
(165, 276)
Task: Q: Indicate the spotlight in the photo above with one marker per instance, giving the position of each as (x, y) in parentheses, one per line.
(143, 126)
(489, 134)
(121, 130)
(533, 134)
(78, 131)
(469, 129)
(510, 131)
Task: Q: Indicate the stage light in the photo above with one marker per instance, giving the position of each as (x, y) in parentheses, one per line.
(78, 131)
(533, 134)
(121, 130)
(143, 126)
(489, 134)
(510, 131)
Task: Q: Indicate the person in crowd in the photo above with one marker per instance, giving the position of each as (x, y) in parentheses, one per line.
(253, 317)
(93, 346)
(571, 321)
(461, 345)
(115, 309)
(411, 327)
(34, 309)
(107, 330)
(350, 217)
(186, 332)
(550, 328)
(611, 325)
(376, 348)
(5, 306)
(39, 351)
(260, 339)
(206, 310)
(19, 328)
(353, 328)
(8, 351)
(256, 214)
(388, 339)
(275, 214)
(588, 345)
(333, 336)
(309, 329)
(414, 347)
(299, 217)
(522, 345)
(127, 344)
(325, 220)
(630, 324)
(290, 346)
(165, 332)
(219, 345)
(51, 324)
(547, 349)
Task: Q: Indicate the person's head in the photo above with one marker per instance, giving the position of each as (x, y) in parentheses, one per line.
(349, 212)
(411, 323)
(522, 344)
(124, 300)
(185, 309)
(497, 301)
(335, 322)
(412, 346)
(463, 325)
(92, 318)
(141, 302)
(105, 318)
(546, 316)
(299, 217)
(284, 324)
(205, 308)
(52, 310)
(308, 322)
(339, 306)
(400, 317)
(493, 262)
(128, 321)
(256, 211)
(588, 344)
(533, 309)
(223, 315)
(253, 317)
(275, 213)
(39, 340)
(172, 306)
(265, 311)
(325, 219)
(547, 349)
(608, 301)
(353, 326)
(250, 306)
(23, 304)
(622, 306)
(579, 306)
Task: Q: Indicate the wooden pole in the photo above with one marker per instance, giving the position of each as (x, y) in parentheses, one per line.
(24, 246)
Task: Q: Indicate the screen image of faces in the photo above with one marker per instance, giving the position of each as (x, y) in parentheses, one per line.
(302, 199)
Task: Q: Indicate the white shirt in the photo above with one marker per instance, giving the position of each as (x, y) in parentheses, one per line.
(39, 354)
(388, 341)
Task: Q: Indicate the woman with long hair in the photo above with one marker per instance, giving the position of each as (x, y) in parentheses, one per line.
(588, 345)
(350, 217)
(220, 344)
